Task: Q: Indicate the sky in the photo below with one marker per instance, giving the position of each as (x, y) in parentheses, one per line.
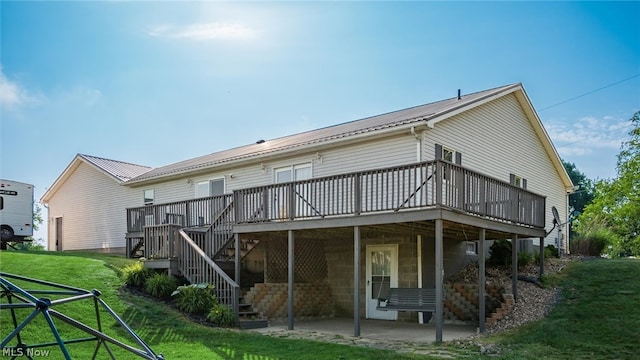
(154, 83)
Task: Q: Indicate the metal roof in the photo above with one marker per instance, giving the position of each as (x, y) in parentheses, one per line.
(122, 171)
(330, 133)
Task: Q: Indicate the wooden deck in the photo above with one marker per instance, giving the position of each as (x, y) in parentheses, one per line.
(437, 196)
(421, 186)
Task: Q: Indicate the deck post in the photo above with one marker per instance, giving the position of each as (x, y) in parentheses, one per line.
(290, 280)
(541, 256)
(439, 275)
(481, 279)
(357, 194)
(356, 281)
(237, 257)
(514, 266)
(439, 176)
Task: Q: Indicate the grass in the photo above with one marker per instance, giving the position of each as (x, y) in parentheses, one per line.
(165, 330)
(597, 318)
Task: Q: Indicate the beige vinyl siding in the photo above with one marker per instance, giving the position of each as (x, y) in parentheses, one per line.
(497, 139)
(383, 152)
(92, 205)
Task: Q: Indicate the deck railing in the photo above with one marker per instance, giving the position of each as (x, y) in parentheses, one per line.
(421, 185)
(188, 213)
(159, 241)
(197, 267)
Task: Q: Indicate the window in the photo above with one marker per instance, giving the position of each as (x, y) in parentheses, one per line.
(518, 181)
(293, 173)
(472, 248)
(213, 187)
(149, 196)
(448, 154)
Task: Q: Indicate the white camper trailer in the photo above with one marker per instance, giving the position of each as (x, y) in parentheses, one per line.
(16, 211)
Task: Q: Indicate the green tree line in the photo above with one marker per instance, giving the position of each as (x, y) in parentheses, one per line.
(607, 212)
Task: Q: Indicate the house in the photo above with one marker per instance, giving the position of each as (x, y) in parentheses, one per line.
(86, 205)
(323, 223)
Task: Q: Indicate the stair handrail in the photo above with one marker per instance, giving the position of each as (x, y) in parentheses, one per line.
(218, 222)
(212, 265)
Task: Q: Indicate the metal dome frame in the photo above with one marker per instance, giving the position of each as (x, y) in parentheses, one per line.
(44, 306)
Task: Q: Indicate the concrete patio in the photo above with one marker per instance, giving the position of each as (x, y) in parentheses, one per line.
(369, 329)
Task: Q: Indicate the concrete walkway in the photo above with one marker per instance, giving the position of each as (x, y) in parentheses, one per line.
(390, 335)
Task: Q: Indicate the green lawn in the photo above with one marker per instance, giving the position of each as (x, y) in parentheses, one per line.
(164, 329)
(598, 318)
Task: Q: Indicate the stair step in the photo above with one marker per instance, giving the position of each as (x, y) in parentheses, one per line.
(253, 324)
(248, 313)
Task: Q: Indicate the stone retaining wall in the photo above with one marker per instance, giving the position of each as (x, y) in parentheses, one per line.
(310, 300)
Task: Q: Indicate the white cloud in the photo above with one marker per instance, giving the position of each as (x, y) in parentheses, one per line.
(14, 96)
(11, 95)
(588, 135)
(205, 31)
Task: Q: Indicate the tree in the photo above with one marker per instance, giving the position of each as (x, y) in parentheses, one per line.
(37, 216)
(583, 195)
(616, 205)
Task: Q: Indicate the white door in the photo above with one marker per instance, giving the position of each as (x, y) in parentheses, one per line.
(281, 197)
(382, 274)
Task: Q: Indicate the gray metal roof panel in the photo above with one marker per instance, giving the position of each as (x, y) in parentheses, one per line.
(344, 130)
(120, 170)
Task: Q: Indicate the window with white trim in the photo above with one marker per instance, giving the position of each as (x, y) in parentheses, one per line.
(448, 154)
(148, 196)
(293, 173)
(518, 181)
(472, 248)
(213, 187)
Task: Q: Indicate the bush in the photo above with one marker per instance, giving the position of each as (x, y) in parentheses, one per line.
(500, 253)
(594, 242)
(221, 315)
(161, 285)
(195, 299)
(525, 258)
(551, 251)
(135, 275)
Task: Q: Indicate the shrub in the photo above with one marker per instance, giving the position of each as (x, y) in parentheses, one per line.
(161, 285)
(550, 251)
(195, 299)
(525, 258)
(135, 275)
(500, 253)
(593, 242)
(221, 315)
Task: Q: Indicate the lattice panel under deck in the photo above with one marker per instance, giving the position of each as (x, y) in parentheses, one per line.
(310, 262)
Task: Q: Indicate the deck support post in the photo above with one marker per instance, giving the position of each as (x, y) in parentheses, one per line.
(237, 257)
(514, 266)
(439, 280)
(290, 280)
(541, 256)
(481, 280)
(356, 281)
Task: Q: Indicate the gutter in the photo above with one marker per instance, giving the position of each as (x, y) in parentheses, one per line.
(275, 154)
(413, 126)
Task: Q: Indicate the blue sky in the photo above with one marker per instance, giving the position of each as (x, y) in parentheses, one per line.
(158, 82)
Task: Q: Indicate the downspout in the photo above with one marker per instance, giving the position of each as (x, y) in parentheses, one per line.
(418, 144)
(567, 232)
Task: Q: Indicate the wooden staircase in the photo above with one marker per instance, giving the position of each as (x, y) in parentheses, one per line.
(248, 318)
(201, 254)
